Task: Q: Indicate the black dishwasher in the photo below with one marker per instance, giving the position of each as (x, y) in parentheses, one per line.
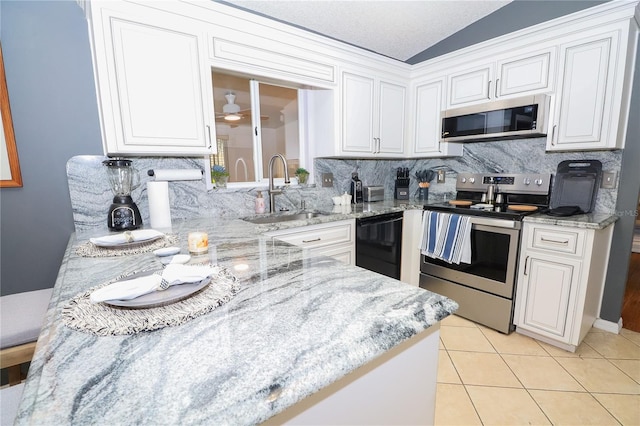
(379, 243)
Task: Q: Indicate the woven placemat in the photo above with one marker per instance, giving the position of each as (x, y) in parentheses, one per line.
(104, 320)
(89, 249)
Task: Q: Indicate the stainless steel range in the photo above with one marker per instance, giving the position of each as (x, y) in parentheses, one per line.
(496, 204)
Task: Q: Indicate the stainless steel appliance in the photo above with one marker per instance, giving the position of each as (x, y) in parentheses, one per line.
(485, 288)
(373, 193)
(123, 212)
(379, 243)
(576, 187)
(504, 119)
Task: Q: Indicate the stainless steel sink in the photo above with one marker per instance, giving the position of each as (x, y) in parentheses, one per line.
(276, 218)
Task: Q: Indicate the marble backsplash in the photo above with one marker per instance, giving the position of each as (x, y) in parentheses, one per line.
(91, 195)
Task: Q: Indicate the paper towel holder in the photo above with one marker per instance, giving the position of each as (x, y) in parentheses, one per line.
(150, 172)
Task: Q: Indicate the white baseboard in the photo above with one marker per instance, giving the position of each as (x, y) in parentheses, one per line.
(609, 326)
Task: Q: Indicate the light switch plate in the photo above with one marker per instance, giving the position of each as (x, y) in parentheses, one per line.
(441, 176)
(608, 180)
(327, 180)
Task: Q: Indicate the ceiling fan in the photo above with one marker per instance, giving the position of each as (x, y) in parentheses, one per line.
(232, 114)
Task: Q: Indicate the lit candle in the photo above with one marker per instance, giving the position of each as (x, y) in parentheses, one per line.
(198, 242)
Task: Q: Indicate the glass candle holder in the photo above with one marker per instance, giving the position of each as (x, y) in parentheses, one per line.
(198, 242)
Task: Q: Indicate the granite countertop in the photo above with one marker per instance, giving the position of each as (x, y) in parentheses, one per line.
(585, 221)
(297, 324)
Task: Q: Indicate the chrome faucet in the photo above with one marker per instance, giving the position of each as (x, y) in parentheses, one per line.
(272, 190)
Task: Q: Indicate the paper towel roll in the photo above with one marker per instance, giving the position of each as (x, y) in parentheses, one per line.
(159, 209)
(176, 174)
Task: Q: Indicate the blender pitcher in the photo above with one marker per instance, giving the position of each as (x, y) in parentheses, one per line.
(123, 178)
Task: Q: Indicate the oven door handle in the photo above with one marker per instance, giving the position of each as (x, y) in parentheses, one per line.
(498, 223)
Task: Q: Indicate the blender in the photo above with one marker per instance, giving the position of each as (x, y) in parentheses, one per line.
(123, 178)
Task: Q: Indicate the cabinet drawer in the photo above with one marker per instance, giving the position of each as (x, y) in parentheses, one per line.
(318, 235)
(556, 240)
(345, 253)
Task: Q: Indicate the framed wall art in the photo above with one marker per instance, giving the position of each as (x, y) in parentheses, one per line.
(10, 176)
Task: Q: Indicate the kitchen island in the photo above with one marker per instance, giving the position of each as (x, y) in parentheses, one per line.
(300, 332)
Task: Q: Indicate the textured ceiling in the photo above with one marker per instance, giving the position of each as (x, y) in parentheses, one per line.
(399, 29)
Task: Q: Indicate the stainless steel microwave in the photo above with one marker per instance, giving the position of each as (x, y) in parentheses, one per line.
(523, 117)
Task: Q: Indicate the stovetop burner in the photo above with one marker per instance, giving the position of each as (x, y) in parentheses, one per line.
(499, 212)
(516, 189)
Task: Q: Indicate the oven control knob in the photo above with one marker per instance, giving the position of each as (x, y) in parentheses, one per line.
(539, 182)
(527, 181)
(463, 180)
(472, 180)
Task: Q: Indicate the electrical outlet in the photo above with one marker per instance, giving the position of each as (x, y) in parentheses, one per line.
(327, 180)
(441, 176)
(608, 180)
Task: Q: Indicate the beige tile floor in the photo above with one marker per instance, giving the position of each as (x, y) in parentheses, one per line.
(488, 378)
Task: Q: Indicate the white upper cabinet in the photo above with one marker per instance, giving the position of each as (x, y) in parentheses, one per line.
(153, 81)
(508, 76)
(589, 102)
(427, 125)
(470, 85)
(525, 74)
(373, 116)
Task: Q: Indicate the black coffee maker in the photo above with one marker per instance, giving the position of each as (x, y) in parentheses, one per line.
(356, 189)
(123, 178)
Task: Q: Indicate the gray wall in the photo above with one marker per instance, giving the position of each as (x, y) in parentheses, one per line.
(53, 103)
(512, 17)
(628, 192)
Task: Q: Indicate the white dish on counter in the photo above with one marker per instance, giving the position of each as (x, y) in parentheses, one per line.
(178, 258)
(166, 251)
(127, 238)
(173, 294)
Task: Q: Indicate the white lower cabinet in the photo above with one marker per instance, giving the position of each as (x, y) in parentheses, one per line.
(560, 281)
(334, 239)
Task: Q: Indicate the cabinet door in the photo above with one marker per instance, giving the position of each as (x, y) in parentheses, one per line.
(357, 113)
(549, 296)
(392, 113)
(427, 126)
(582, 107)
(154, 85)
(524, 74)
(469, 86)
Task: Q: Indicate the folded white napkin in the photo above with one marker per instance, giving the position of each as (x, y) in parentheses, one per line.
(173, 274)
(127, 237)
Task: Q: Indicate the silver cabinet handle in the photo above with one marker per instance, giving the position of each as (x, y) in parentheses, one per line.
(209, 135)
(496, 89)
(312, 241)
(526, 262)
(553, 135)
(376, 145)
(489, 90)
(547, 240)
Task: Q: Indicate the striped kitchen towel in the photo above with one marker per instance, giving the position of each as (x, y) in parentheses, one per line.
(446, 236)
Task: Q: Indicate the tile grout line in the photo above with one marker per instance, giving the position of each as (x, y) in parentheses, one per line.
(475, 409)
(555, 358)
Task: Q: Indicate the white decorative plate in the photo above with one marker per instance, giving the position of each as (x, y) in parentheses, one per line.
(173, 294)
